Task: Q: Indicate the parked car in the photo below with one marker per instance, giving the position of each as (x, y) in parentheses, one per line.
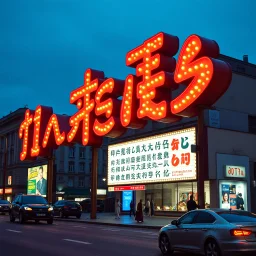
(210, 232)
(65, 208)
(86, 205)
(31, 207)
(4, 206)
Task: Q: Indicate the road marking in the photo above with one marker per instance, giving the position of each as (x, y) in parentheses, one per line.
(108, 229)
(15, 231)
(76, 241)
(79, 227)
(143, 232)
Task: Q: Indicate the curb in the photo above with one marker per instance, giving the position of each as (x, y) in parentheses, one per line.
(110, 224)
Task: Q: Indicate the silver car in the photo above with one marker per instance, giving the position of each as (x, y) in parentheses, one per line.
(210, 232)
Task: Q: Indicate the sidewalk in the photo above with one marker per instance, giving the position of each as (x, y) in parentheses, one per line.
(155, 222)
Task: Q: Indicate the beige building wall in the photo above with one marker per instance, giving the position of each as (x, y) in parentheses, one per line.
(232, 143)
(240, 96)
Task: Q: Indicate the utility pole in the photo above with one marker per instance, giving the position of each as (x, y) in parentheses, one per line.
(50, 177)
(94, 178)
(202, 155)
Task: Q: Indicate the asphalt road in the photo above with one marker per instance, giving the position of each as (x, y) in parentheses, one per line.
(68, 239)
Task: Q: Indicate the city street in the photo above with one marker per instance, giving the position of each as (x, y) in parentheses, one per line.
(63, 238)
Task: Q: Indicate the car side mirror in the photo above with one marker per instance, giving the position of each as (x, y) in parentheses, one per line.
(175, 223)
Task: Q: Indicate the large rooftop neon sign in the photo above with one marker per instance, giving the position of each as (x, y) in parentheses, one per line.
(146, 95)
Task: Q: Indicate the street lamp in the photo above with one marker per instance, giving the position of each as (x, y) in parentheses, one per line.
(5, 163)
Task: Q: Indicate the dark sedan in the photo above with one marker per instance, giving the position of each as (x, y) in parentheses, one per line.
(86, 205)
(65, 208)
(4, 206)
(31, 207)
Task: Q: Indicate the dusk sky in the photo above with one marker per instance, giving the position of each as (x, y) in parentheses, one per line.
(46, 45)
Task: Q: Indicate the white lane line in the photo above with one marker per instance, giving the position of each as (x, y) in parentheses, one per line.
(76, 241)
(143, 232)
(15, 231)
(79, 227)
(108, 229)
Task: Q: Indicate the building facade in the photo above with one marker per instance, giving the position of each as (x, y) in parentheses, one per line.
(72, 165)
(229, 155)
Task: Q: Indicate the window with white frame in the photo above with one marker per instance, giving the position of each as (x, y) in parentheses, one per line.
(71, 152)
(71, 166)
(81, 182)
(81, 167)
(82, 152)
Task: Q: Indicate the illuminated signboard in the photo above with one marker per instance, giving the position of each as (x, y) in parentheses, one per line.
(235, 171)
(148, 95)
(127, 197)
(7, 191)
(124, 188)
(160, 158)
(37, 180)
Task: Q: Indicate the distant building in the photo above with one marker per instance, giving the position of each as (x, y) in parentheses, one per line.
(229, 151)
(230, 143)
(72, 164)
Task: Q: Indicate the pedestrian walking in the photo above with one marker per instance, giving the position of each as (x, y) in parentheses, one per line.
(139, 212)
(132, 209)
(191, 204)
(152, 207)
(118, 207)
(147, 207)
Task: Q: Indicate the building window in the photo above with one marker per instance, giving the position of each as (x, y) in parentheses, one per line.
(60, 178)
(70, 182)
(81, 182)
(81, 167)
(71, 166)
(81, 152)
(71, 152)
(171, 196)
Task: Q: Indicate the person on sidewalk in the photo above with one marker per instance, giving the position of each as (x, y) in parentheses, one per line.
(139, 212)
(152, 207)
(132, 209)
(147, 207)
(191, 204)
(118, 207)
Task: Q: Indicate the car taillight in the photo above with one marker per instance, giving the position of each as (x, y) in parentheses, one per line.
(240, 232)
(65, 207)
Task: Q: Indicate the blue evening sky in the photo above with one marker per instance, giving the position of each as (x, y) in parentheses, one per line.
(46, 45)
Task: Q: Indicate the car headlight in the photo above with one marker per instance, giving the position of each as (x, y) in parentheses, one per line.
(50, 209)
(27, 208)
(0, 206)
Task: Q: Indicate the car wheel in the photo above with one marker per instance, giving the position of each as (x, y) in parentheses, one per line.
(21, 218)
(212, 248)
(78, 216)
(12, 218)
(50, 221)
(164, 245)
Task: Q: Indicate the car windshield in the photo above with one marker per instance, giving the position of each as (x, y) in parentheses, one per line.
(4, 202)
(236, 217)
(33, 200)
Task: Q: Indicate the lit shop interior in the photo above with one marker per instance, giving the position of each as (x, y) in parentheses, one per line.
(172, 196)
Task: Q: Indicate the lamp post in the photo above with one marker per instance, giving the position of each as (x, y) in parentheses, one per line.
(5, 162)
